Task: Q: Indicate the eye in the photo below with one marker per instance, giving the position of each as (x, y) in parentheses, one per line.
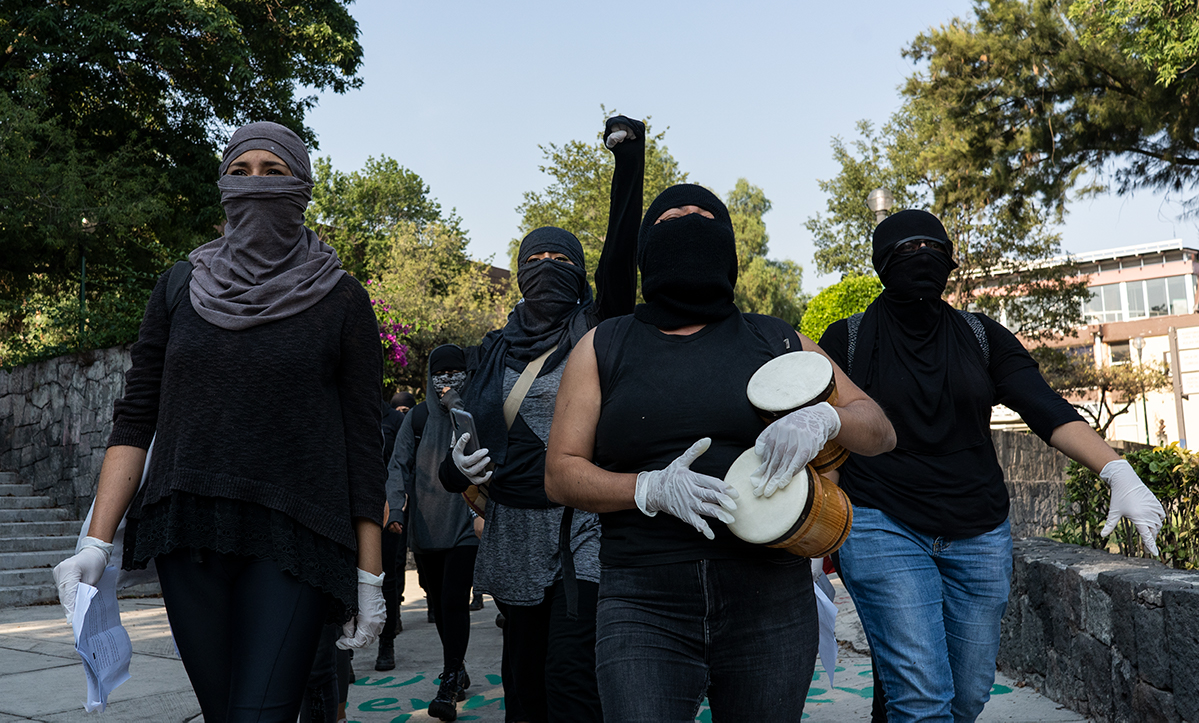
(237, 172)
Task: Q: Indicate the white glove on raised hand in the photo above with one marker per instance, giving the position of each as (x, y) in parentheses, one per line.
(474, 465)
(86, 566)
(622, 132)
(791, 442)
(689, 496)
(1132, 499)
(372, 613)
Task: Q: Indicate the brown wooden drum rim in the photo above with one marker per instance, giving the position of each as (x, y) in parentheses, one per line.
(825, 523)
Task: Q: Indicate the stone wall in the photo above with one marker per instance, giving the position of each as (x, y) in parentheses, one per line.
(1114, 638)
(1035, 475)
(55, 418)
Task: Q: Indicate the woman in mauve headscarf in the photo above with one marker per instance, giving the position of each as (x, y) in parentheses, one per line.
(651, 414)
(263, 497)
(929, 559)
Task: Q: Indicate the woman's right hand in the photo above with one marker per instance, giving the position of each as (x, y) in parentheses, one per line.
(473, 466)
(86, 566)
(622, 131)
(689, 496)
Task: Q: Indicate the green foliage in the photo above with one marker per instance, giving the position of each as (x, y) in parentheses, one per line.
(1171, 473)
(841, 300)
(356, 212)
(1101, 393)
(1036, 97)
(1162, 34)
(578, 197)
(116, 112)
(1001, 239)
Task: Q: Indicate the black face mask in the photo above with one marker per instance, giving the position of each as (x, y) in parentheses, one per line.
(688, 271)
(922, 275)
(551, 290)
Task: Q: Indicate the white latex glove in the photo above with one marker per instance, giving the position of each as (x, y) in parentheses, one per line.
(791, 442)
(1132, 499)
(86, 566)
(622, 132)
(372, 613)
(473, 465)
(689, 496)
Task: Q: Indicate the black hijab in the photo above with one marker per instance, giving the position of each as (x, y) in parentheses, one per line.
(688, 264)
(268, 265)
(912, 346)
(556, 296)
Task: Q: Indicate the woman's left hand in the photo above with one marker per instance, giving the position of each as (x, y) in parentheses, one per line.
(1132, 499)
(791, 442)
(372, 613)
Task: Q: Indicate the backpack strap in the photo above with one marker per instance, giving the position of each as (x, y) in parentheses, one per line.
(854, 322)
(980, 333)
(178, 280)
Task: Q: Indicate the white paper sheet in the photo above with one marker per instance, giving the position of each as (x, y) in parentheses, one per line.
(100, 640)
(826, 613)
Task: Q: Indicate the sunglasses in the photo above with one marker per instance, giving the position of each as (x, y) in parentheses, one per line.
(913, 245)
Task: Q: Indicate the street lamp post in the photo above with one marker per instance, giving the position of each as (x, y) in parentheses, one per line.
(880, 202)
(89, 227)
(1139, 343)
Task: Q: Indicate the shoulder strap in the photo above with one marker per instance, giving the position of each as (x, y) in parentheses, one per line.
(521, 388)
(980, 333)
(178, 280)
(854, 322)
(780, 335)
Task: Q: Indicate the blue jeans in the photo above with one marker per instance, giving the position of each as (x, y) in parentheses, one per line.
(742, 632)
(931, 609)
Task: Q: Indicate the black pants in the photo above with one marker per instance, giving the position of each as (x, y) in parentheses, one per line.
(553, 657)
(447, 577)
(321, 695)
(395, 559)
(247, 633)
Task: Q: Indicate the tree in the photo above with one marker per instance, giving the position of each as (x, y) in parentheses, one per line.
(1001, 238)
(1037, 97)
(578, 197)
(843, 299)
(1101, 393)
(132, 101)
(356, 213)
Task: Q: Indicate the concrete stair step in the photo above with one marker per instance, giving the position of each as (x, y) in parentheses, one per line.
(33, 559)
(9, 478)
(24, 503)
(50, 515)
(14, 595)
(14, 489)
(26, 576)
(10, 530)
(45, 543)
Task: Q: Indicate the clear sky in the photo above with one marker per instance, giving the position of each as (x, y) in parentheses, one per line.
(463, 93)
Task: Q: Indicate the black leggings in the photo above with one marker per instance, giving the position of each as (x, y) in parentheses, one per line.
(447, 576)
(247, 633)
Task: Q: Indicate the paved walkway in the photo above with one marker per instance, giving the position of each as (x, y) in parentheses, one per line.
(41, 678)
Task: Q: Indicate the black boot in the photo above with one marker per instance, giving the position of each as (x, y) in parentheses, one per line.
(444, 705)
(386, 659)
(477, 602)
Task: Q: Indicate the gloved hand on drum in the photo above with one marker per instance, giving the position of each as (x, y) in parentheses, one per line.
(473, 465)
(1132, 499)
(689, 496)
(372, 613)
(86, 566)
(791, 442)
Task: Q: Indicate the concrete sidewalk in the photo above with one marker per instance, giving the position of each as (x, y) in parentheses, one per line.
(41, 678)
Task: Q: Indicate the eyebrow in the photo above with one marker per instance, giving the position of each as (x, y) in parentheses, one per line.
(267, 162)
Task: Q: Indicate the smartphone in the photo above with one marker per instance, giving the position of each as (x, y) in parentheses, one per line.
(464, 423)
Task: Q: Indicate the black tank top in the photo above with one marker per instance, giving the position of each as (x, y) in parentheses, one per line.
(661, 393)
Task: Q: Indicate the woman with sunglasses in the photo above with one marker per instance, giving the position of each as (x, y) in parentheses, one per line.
(929, 560)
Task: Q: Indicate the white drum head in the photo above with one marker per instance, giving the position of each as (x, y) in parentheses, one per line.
(789, 381)
(763, 520)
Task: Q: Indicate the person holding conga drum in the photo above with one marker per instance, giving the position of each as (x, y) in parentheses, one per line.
(929, 559)
(651, 414)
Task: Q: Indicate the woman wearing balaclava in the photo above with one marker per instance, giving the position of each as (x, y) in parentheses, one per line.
(265, 488)
(440, 524)
(550, 632)
(929, 557)
(651, 414)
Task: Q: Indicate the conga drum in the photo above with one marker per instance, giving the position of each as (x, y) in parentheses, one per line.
(794, 381)
(810, 517)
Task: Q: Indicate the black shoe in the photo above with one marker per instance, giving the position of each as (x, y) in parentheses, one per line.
(500, 620)
(430, 615)
(477, 602)
(445, 705)
(386, 659)
(464, 680)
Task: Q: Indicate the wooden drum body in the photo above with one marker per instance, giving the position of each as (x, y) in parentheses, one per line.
(810, 517)
(794, 381)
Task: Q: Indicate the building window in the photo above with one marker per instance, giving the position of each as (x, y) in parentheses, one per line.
(1141, 299)
(1121, 352)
